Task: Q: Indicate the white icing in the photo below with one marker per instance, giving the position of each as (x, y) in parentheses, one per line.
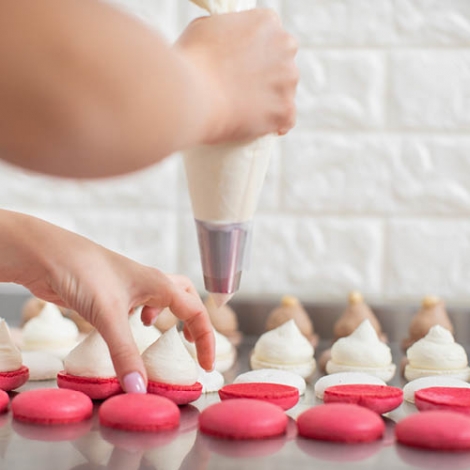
(210, 381)
(284, 348)
(275, 376)
(361, 348)
(168, 361)
(225, 353)
(10, 355)
(225, 6)
(42, 365)
(49, 330)
(235, 176)
(345, 378)
(412, 387)
(90, 358)
(362, 351)
(437, 350)
(144, 336)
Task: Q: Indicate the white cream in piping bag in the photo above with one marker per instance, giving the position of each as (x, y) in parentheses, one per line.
(10, 355)
(224, 184)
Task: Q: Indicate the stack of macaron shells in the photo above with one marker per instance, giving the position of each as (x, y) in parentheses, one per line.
(443, 423)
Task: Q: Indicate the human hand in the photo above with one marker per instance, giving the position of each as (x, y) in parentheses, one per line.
(103, 286)
(247, 61)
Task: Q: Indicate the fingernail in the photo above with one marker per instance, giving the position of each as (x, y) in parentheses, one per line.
(134, 383)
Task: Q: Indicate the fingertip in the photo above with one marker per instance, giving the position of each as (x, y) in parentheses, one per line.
(133, 382)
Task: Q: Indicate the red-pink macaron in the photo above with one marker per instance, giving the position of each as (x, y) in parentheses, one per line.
(340, 422)
(436, 430)
(14, 379)
(51, 406)
(378, 398)
(179, 394)
(97, 388)
(139, 412)
(443, 398)
(4, 401)
(283, 396)
(243, 418)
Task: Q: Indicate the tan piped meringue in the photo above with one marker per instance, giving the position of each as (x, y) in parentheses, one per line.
(432, 312)
(355, 313)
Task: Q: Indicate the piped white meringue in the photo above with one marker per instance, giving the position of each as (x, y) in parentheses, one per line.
(362, 351)
(90, 358)
(437, 354)
(10, 355)
(168, 361)
(284, 348)
(49, 331)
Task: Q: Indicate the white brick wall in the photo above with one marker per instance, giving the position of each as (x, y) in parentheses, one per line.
(371, 191)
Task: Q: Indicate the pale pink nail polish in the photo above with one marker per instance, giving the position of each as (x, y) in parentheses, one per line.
(134, 383)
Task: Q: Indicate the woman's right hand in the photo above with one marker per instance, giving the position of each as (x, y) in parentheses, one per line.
(248, 62)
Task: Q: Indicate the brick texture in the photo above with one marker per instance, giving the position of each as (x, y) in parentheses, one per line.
(369, 192)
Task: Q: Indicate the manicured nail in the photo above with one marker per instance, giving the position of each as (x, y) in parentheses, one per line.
(134, 383)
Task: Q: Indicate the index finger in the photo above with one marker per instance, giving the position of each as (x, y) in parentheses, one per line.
(190, 309)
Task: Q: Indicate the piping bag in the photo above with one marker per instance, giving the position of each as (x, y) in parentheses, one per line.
(224, 183)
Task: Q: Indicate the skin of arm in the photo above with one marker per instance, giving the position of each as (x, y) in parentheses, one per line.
(87, 91)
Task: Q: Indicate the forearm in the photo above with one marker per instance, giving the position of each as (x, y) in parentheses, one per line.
(18, 236)
(87, 91)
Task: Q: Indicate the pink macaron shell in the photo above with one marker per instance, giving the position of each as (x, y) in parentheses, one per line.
(14, 379)
(243, 418)
(139, 412)
(340, 422)
(378, 398)
(443, 398)
(179, 394)
(97, 388)
(438, 430)
(283, 396)
(51, 406)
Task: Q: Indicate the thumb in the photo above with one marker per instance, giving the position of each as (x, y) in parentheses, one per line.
(126, 358)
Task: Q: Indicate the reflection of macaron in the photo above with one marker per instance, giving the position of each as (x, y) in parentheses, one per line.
(64, 432)
(437, 430)
(416, 458)
(443, 398)
(284, 396)
(97, 388)
(137, 441)
(245, 448)
(378, 398)
(139, 412)
(51, 406)
(338, 452)
(14, 379)
(179, 394)
(243, 419)
(340, 422)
